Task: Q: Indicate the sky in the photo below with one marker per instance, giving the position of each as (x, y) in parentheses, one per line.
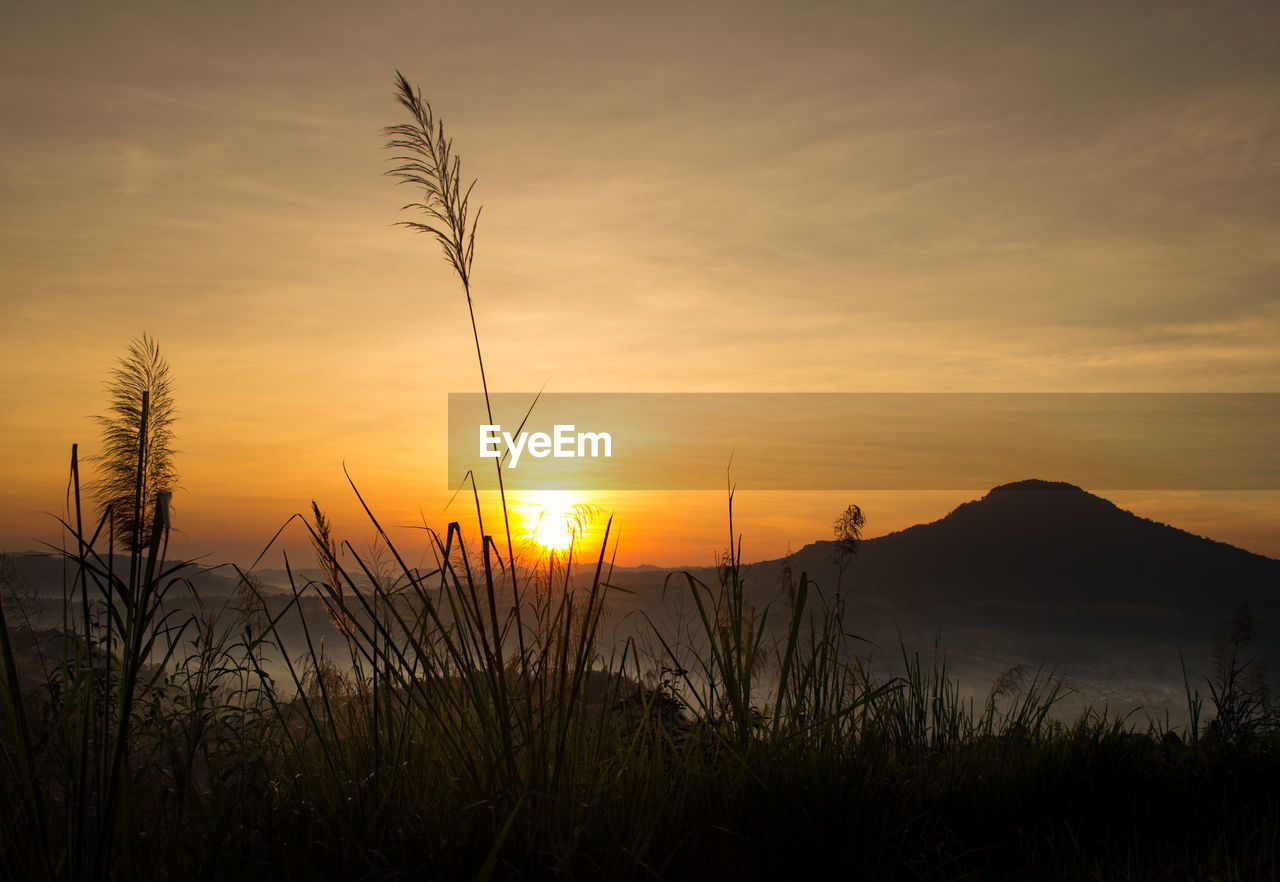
(712, 197)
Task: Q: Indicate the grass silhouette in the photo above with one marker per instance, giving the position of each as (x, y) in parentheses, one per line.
(471, 727)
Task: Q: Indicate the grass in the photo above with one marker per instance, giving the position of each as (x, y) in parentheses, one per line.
(473, 724)
(158, 748)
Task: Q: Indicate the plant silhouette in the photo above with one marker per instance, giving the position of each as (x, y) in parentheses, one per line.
(136, 463)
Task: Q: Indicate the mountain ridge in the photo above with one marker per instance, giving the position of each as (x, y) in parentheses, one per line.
(1049, 543)
(1034, 484)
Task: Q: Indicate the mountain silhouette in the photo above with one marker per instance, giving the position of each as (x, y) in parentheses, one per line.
(1046, 543)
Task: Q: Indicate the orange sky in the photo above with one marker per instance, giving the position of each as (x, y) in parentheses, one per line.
(731, 197)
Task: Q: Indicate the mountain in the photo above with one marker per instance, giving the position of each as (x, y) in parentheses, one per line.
(1051, 544)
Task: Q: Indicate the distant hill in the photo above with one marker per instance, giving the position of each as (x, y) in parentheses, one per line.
(1051, 544)
(45, 574)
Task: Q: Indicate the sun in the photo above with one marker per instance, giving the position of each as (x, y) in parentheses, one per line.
(552, 530)
(559, 519)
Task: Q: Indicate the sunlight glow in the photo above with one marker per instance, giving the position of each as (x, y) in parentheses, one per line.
(557, 520)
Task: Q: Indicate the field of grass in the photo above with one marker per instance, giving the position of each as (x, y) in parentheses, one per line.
(474, 735)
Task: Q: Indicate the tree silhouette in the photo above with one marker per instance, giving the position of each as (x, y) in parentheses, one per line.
(135, 466)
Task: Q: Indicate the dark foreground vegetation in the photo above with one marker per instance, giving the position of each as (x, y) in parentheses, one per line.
(477, 734)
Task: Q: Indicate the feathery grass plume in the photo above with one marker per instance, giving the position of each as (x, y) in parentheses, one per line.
(130, 479)
(327, 557)
(17, 592)
(249, 605)
(1238, 689)
(847, 530)
(579, 518)
(560, 533)
(1008, 683)
(429, 163)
